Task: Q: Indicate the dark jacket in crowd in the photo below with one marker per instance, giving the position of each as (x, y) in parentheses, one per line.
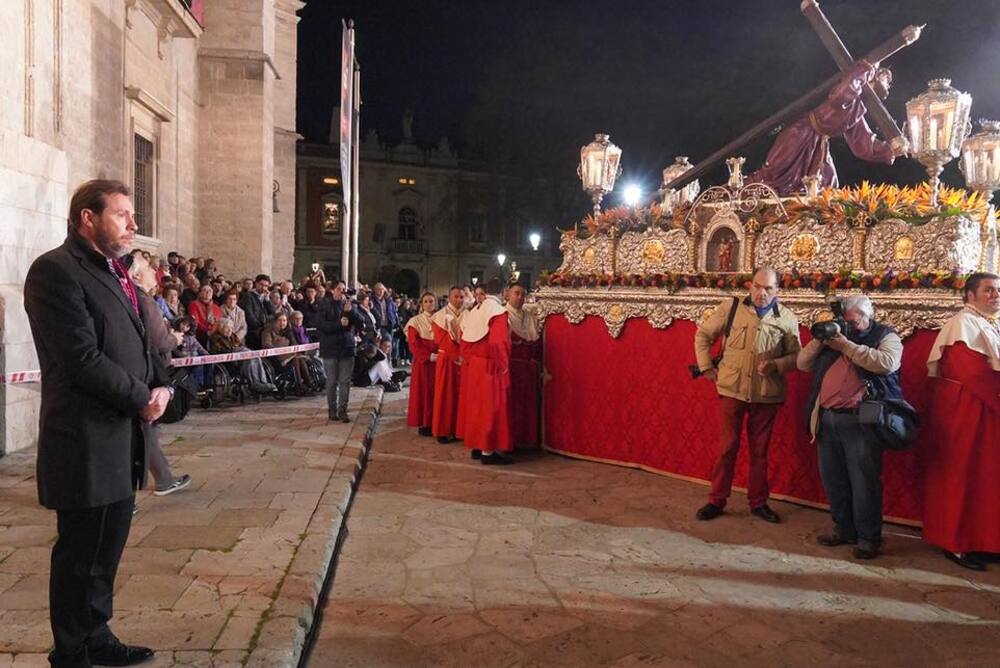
(98, 370)
(391, 317)
(312, 313)
(258, 313)
(335, 340)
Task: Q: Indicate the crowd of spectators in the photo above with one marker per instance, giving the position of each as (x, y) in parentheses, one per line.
(212, 313)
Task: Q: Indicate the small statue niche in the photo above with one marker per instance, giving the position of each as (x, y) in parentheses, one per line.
(723, 252)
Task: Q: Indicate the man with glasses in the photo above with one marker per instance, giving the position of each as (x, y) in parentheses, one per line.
(760, 346)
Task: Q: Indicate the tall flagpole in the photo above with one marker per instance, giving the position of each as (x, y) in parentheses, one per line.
(355, 178)
(346, 130)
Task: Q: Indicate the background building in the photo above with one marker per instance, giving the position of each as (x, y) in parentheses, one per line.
(429, 219)
(190, 103)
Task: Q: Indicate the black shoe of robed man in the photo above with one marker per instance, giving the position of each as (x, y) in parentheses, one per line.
(476, 454)
(424, 431)
(765, 513)
(495, 459)
(709, 511)
(445, 440)
(966, 560)
(116, 653)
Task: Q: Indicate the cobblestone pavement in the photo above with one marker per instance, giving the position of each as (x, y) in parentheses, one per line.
(557, 562)
(224, 573)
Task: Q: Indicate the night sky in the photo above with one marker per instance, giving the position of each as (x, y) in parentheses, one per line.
(526, 83)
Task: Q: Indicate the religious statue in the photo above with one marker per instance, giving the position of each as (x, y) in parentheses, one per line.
(802, 149)
(726, 248)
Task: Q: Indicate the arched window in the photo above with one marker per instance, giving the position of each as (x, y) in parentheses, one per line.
(407, 223)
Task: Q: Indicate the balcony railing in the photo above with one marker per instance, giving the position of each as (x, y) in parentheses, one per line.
(407, 246)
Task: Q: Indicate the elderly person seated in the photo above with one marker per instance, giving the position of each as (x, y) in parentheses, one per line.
(865, 354)
(205, 313)
(278, 334)
(170, 303)
(190, 347)
(225, 340)
(231, 311)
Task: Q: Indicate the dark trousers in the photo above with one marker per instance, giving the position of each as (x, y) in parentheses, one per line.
(851, 468)
(760, 420)
(338, 384)
(81, 585)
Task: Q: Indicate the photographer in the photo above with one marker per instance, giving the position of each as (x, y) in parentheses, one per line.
(761, 340)
(844, 357)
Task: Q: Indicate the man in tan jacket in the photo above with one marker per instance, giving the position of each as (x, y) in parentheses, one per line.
(761, 346)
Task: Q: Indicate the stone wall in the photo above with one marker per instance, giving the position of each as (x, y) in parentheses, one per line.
(79, 78)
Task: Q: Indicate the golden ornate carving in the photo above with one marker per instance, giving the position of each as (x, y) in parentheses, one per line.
(833, 246)
(905, 310)
(653, 251)
(948, 244)
(902, 250)
(590, 256)
(804, 247)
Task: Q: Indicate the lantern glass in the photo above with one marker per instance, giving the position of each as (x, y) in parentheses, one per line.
(688, 193)
(981, 158)
(599, 161)
(937, 121)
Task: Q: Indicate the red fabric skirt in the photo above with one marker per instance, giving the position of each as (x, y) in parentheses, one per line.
(447, 381)
(632, 401)
(420, 410)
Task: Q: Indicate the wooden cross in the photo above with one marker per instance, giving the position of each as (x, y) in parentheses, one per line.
(879, 115)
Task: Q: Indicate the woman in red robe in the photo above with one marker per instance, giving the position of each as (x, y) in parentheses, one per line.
(525, 369)
(423, 347)
(447, 372)
(962, 462)
(484, 414)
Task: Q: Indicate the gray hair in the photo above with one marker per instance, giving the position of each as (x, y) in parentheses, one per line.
(860, 303)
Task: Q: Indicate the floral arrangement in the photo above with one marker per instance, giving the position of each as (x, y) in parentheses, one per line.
(823, 282)
(863, 204)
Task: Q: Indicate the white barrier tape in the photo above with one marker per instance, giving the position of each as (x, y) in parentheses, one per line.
(245, 355)
(34, 376)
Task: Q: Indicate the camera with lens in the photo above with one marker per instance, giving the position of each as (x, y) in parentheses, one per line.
(829, 329)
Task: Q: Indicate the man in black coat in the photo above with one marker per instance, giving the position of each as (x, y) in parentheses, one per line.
(102, 387)
(337, 327)
(257, 308)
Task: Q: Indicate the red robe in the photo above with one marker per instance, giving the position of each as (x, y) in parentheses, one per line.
(421, 407)
(525, 372)
(484, 413)
(962, 461)
(447, 379)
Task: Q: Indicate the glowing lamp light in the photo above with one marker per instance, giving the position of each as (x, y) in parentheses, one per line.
(600, 165)
(633, 194)
(501, 259)
(937, 122)
(535, 239)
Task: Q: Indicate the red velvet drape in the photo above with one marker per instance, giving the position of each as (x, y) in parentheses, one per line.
(631, 400)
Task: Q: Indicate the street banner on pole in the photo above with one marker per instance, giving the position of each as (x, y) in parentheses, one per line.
(346, 130)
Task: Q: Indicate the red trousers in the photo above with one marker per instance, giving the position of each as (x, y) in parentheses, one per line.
(760, 420)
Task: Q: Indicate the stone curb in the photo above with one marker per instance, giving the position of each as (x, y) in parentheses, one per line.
(285, 629)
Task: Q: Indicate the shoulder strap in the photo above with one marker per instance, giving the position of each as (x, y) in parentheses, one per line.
(732, 315)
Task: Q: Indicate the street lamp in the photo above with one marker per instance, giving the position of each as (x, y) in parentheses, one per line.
(600, 165)
(535, 239)
(937, 121)
(981, 167)
(501, 259)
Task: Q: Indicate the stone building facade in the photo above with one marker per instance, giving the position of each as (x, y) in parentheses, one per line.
(428, 218)
(190, 102)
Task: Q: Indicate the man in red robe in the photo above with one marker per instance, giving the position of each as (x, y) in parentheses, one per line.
(963, 458)
(525, 369)
(483, 413)
(447, 373)
(423, 348)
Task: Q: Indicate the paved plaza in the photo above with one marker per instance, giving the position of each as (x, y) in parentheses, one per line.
(557, 562)
(224, 573)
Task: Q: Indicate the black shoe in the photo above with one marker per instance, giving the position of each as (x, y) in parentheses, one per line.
(476, 454)
(709, 511)
(966, 560)
(765, 513)
(495, 459)
(445, 440)
(343, 417)
(866, 549)
(424, 431)
(835, 538)
(117, 654)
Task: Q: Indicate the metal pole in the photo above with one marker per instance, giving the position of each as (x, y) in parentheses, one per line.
(355, 178)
